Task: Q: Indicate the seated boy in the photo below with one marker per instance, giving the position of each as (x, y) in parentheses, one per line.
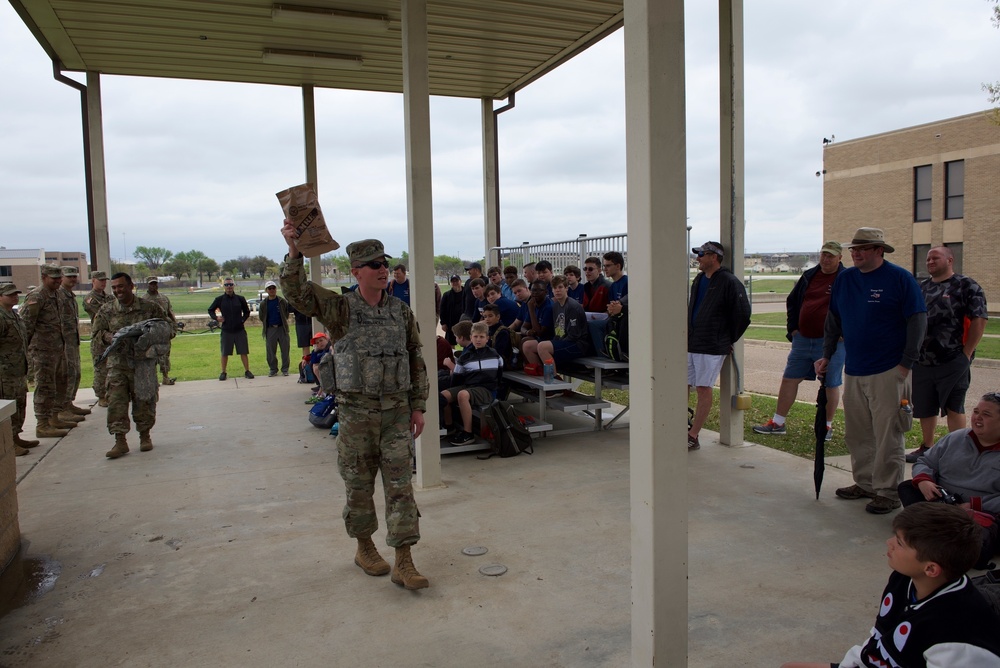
(571, 336)
(499, 335)
(508, 308)
(478, 285)
(931, 615)
(574, 286)
(476, 378)
(445, 362)
(463, 335)
(321, 348)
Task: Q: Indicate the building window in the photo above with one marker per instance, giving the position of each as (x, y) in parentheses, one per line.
(6, 270)
(922, 193)
(956, 250)
(920, 260)
(954, 189)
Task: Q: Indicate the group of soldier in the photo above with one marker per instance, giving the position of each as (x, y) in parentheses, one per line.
(42, 339)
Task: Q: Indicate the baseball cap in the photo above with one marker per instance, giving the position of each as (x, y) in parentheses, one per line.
(455, 277)
(832, 247)
(270, 284)
(51, 270)
(99, 275)
(316, 338)
(709, 247)
(70, 272)
(474, 265)
(8, 289)
(153, 279)
(366, 250)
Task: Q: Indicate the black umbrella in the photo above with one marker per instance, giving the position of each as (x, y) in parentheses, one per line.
(819, 426)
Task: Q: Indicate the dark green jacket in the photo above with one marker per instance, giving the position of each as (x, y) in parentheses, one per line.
(283, 309)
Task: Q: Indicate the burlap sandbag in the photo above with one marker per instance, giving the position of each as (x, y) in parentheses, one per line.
(301, 206)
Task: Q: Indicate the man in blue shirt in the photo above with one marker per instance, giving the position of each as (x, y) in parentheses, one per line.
(878, 309)
(273, 313)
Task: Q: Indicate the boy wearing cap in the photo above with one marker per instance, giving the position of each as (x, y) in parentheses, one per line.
(273, 313)
(154, 295)
(806, 307)
(92, 303)
(452, 305)
(718, 314)
(14, 364)
(879, 311)
(381, 395)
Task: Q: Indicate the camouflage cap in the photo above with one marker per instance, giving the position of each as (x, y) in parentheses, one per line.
(99, 276)
(70, 272)
(51, 270)
(8, 289)
(833, 248)
(366, 250)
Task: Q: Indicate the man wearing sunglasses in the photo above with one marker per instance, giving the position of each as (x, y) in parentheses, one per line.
(381, 395)
(231, 310)
(718, 314)
(878, 309)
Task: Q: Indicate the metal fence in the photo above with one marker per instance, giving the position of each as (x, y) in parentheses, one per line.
(560, 253)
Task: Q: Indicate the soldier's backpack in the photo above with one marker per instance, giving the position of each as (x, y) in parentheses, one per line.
(616, 337)
(510, 436)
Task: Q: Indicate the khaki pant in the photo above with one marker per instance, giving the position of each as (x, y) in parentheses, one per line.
(872, 432)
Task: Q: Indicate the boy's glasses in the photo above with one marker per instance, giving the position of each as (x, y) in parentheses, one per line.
(374, 264)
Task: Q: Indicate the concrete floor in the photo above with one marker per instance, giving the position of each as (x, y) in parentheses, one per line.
(224, 546)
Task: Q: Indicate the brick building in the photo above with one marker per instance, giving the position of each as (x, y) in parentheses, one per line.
(21, 266)
(928, 185)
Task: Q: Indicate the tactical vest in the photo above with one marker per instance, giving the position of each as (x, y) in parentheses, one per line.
(371, 358)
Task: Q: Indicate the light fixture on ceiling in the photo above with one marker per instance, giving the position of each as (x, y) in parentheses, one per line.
(344, 18)
(333, 61)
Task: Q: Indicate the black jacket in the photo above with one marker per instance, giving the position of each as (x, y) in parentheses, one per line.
(235, 311)
(723, 315)
(793, 304)
(452, 306)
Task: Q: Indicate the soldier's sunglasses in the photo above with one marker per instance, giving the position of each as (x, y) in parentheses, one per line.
(374, 264)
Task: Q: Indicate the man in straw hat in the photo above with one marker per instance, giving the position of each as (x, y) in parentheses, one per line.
(381, 395)
(878, 309)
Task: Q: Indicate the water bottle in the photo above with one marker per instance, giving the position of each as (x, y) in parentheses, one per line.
(335, 429)
(905, 415)
(549, 371)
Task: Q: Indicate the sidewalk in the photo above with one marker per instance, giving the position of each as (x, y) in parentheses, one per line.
(224, 546)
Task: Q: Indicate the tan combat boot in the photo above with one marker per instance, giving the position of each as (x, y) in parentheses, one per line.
(404, 573)
(20, 442)
(45, 429)
(145, 442)
(68, 418)
(103, 402)
(121, 447)
(77, 410)
(368, 558)
(19, 451)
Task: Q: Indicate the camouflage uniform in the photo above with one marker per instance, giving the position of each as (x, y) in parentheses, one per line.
(70, 319)
(381, 380)
(121, 364)
(13, 364)
(92, 303)
(163, 302)
(46, 350)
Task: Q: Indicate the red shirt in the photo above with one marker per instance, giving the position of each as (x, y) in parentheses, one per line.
(444, 352)
(815, 304)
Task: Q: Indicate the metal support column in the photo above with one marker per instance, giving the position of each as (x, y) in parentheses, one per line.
(655, 141)
(312, 175)
(732, 193)
(491, 199)
(100, 242)
(420, 221)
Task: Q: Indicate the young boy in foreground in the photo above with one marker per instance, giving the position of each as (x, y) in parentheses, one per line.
(930, 615)
(476, 377)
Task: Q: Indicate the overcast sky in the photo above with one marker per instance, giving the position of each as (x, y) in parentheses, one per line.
(195, 165)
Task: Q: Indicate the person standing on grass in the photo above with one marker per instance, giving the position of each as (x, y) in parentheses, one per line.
(718, 315)
(273, 312)
(233, 311)
(878, 310)
(806, 307)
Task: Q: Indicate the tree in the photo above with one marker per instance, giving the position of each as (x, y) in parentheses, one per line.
(993, 89)
(177, 266)
(230, 268)
(208, 266)
(259, 265)
(244, 262)
(446, 265)
(152, 256)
